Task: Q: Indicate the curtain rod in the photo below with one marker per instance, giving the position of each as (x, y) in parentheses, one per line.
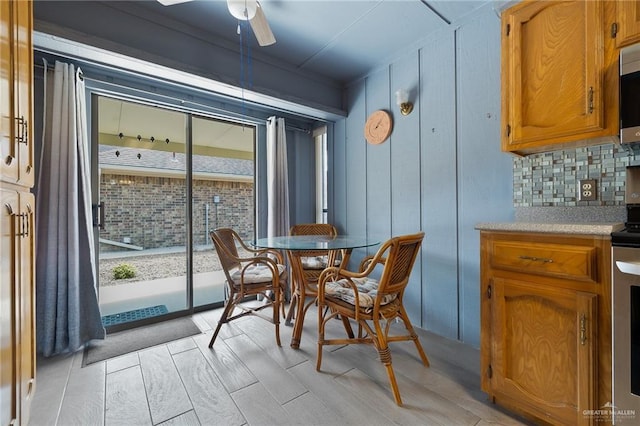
(223, 113)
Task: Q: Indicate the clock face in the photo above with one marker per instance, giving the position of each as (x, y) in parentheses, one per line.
(378, 127)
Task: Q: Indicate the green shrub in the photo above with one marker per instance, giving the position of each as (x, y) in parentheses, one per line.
(123, 271)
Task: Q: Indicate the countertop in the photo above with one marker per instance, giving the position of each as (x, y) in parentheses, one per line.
(595, 228)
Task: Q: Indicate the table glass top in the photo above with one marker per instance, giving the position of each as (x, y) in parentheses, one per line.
(316, 242)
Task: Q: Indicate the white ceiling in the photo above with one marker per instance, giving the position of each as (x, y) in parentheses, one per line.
(341, 40)
(132, 119)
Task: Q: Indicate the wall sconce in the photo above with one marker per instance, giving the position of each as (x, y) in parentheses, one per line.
(402, 99)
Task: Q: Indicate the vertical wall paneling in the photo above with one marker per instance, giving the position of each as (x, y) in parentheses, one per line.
(439, 190)
(485, 173)
(444, 172)
(405, 170)
(356, 161)
(336, 147)
(378, 171)
(302, 169)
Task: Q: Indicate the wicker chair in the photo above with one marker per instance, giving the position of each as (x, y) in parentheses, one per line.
(311, 264)
(262, 273)
(372, 303)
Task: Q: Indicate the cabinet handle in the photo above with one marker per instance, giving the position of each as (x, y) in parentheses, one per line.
(590, 100)
(21, 134)
(23, 227)
(536, 259)
(25, 132)
(583, 329)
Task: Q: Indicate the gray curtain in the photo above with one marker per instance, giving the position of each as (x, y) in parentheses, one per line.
(67, 311)
(277, 178)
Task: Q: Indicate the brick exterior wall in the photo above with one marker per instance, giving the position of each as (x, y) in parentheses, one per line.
(151, 211)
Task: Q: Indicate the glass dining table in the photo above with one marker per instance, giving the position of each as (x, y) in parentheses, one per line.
(297, 246)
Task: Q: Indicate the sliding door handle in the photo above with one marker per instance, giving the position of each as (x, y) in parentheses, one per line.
(98, 215)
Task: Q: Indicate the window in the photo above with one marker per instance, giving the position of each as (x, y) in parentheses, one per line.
(320, 139)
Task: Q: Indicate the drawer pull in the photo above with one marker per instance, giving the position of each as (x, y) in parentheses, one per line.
(536, 259)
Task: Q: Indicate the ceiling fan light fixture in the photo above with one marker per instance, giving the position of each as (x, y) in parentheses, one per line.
(243, 10)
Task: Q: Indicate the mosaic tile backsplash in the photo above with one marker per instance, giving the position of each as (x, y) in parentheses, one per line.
(551, 179)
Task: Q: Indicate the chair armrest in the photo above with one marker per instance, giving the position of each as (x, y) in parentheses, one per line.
(271, 252)
(371, 262)
(256, 260)
(332, 274)
(262, 251)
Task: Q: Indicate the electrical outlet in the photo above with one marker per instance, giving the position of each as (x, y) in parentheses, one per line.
(587, 190)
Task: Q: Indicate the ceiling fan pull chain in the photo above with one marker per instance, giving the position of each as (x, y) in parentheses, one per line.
(242, 76)
(249, 63)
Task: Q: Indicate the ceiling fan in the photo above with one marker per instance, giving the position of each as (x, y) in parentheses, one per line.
(245, 10)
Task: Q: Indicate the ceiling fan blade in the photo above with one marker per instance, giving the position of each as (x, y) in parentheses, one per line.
(171, 2)
(261, 28)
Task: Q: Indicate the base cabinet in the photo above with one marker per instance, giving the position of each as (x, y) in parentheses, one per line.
(17, 306)
(544, 349)
(541, 326)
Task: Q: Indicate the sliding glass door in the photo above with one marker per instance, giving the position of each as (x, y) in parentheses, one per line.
(222, 196)
(166, 178)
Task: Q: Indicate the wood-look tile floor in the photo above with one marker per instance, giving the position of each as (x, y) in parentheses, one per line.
(248, 380)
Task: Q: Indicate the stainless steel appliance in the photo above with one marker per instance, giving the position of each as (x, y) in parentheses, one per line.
(626, 333)
(625, 253)
(630, 94)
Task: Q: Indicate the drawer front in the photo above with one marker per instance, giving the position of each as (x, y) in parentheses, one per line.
(557, 260)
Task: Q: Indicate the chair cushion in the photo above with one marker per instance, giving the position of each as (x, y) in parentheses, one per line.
(317, 262)
(314, 262)
(367, 292)
(256, 273)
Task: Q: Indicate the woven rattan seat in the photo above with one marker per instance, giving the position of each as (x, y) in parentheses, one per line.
(339, 295)
(261, 273)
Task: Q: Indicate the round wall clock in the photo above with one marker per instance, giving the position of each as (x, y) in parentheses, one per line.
(378, 127)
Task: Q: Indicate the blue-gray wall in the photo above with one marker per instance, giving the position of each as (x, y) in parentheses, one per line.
(441, 171)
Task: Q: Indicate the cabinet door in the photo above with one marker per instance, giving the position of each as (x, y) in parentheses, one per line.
(628, 20)
(8, 149)
(543, 349)
(23, 83)
(9, 205)
(27, 303)
(553, 65)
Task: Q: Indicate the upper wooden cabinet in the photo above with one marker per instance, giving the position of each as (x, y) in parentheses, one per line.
(559, 75)
(627, 25)
(16, 96)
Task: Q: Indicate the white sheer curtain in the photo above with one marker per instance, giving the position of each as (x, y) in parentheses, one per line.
(67, 309)
(277, 178)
